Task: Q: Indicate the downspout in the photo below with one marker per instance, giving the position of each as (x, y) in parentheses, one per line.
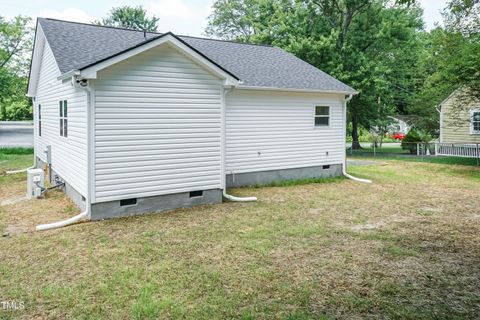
(344, 166)
(224, 137)
(439, 110)
(85, 214)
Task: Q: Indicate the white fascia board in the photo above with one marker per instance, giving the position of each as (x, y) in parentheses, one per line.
(91, 72)
(68, 75)
(36, 61)
(295, 90)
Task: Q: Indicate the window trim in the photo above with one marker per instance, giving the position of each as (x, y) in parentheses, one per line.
(63, 118)
(39, 119)
(472, 131)
(315, 116)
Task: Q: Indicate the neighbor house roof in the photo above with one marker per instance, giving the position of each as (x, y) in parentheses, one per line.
(76, 46)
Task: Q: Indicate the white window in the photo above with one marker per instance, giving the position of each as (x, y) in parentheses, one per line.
(322, 116)
(62, 105)
(475, 121)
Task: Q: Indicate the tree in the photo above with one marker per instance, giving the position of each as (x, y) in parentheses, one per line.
(451, 61)
(368, 44)
(130, 18)
(15, 49)
(15, 44)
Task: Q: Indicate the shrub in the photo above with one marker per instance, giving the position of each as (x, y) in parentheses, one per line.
(410, 141)
(413, 137)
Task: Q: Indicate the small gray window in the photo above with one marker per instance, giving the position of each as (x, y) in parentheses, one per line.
(322, 116)
(63, 112)
(475, 121)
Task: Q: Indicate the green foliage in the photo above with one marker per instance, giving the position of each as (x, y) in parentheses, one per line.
(450, 60)
(412, 138)
(130, 18)
(410, 141)
(16, 150)
(19, 110)
(15, 45)
(369, 44)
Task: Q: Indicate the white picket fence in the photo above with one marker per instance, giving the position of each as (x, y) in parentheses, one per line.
(466, 150)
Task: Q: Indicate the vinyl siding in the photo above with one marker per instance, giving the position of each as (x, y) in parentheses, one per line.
(157, 127)
(456, 124)
(69, 154)
(271, 130)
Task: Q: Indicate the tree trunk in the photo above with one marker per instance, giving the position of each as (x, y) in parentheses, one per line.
(382, 135)
(3, 112)
(355, 143)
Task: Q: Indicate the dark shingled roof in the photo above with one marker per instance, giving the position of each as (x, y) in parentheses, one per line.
(77, 45)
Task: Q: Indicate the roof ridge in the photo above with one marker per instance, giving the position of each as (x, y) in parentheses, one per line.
(98, 25)
(230, 41)
(157, 33)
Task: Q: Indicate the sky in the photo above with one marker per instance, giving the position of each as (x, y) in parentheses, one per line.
(184, 17)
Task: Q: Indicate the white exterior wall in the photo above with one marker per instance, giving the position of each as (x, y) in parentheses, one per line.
(69, 154)
(270, 130)
(157, 127)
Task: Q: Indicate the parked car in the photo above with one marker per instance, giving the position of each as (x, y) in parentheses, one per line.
(398, 135)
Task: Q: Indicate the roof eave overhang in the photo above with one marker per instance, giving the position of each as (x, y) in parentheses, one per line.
(90, 71)
(353, 92)
(69, 74)
(36, 60)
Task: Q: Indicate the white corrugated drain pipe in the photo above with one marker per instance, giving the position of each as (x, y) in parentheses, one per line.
(63, 223)
(225, 195)
(21, 170)
(344, 167)
(80, 216)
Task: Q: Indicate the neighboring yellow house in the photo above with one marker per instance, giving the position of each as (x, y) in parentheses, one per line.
(459, 123)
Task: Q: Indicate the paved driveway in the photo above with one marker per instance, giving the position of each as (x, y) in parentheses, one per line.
(16, 134)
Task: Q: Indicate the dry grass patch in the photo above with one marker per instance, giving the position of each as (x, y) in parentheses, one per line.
(406, 246)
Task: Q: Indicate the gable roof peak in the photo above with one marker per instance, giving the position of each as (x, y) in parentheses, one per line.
(77, 45)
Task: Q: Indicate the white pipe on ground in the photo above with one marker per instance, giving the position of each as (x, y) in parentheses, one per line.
(21, 170)
(344, 167)
(63, 223)
(238, 199)
(349, 176)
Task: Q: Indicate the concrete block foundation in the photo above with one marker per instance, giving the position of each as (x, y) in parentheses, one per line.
(112, 209)
(266, 177)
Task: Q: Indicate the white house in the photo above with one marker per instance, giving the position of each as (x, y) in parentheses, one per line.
(138, 122)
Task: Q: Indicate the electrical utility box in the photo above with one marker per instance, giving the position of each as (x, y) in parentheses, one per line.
(35, 183)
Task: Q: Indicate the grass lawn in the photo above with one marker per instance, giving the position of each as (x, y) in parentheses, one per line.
(14, 158)
(426, 159)
(406, 246)
(389, 152)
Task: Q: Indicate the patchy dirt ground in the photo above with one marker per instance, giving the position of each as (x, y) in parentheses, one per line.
(406, 246)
